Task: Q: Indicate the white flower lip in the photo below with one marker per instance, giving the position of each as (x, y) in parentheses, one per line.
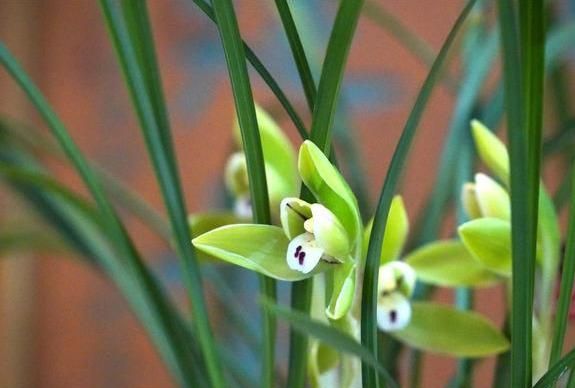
(303, 254)
(393, 312)
(315, 235)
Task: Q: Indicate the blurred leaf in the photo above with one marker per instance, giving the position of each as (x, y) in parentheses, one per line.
(443, 329)
(331, 336)
(449, 264)
(131, 34)
(489, 241)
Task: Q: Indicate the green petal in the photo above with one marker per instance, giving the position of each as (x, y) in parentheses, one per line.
(442, 329)
(449, 264)
(260, 248)
(293, 213)
(491, 150)
(492, 198)
(330, 233)
(329, 187)
(489, 241)
(396, 231)
(343, 290)
(278, 151)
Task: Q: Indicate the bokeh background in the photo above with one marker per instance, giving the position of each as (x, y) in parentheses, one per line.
(61, 324)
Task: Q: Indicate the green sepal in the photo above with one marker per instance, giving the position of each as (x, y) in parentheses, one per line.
(260, 248)
(329, 187)
(489, 241)
(278, 151)
(449, 264)
(492, 151)
(330, 233)
(201, 223)
(442, 329)
(492, 198)
(343, 290)
(396, 231)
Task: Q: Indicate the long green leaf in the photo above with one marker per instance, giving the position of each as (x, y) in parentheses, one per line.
(557, 370)
(245, 110)
(369, 292)
(298, 52)
(81, 227)
(332, 72)
(143, 84)
(257, 64)
(133, 263)
(523, 64)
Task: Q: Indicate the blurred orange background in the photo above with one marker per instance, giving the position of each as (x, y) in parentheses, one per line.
(63, 325)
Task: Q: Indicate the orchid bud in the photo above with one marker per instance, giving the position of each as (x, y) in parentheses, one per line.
(492, 198)
(396, 276)
(236, 175)
(469, 201)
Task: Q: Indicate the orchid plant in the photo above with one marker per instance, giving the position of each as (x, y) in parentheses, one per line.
(360, 291)
(327, 240)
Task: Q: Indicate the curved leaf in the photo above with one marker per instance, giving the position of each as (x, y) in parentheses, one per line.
(329, 187)
(260, 248)
(443, 329)
(489, 241)
(449, 264)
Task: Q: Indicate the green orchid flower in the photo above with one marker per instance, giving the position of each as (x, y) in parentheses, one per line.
(426, 325)
(395, 286)
(313, 238)
(316, 234)
(280, 167)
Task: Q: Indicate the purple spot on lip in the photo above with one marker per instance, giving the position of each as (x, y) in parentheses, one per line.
(297, 251)
(301, 256)
(393, 316)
